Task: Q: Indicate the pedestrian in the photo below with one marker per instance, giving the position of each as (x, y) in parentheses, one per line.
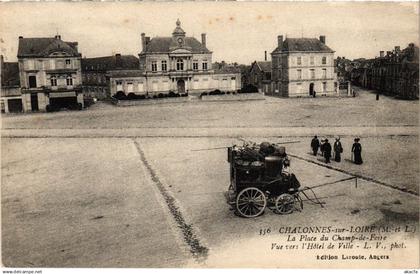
(321, 148)
(357, 150)
(338, 149)
(315, 145)
(327, 151)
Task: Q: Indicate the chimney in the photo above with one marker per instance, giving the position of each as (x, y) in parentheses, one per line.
(58, 37)
(322, 39)
(20, 37)
(280, 41)
(147, 40)
(265, 55)
(397, 49)
(143, 41)
(1, 62)
(118, 62)
(381, 53)
(203, 39)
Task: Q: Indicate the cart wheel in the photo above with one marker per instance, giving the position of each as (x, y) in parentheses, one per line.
(285, 203)
(250, 202)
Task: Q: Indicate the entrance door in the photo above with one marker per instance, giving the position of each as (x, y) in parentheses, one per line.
(311, 89)
(32, 81)
(181, 86)
(34, 102)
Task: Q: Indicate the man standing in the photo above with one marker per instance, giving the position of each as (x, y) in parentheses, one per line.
(357, 150)
(327, 151)
(338, 149)
(315, 145)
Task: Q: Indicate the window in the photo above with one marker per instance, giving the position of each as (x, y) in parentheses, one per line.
(195, 65)
(312, 74)
(324, 86)
(53, 81)
(299, 60)
(312, 60)
(324, 73)
(119, 85)
(299, 74)
(69, 80)
(180, 64)
(129, 87)
(68, 61)
(205, 65)
(324, 60)
(140, 87)
(164, 66)
(154, 66)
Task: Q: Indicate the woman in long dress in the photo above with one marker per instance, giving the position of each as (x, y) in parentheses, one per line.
(357, 150)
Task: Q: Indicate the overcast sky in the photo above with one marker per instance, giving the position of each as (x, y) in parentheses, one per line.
(236, 32)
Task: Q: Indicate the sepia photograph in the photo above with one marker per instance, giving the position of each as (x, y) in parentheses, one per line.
(209, 135)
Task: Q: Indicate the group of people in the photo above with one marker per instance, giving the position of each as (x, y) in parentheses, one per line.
(337, 147)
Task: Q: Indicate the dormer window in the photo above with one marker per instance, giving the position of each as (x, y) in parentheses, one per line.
(205, 65)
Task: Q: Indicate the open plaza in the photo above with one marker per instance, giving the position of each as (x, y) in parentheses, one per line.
(132, 186)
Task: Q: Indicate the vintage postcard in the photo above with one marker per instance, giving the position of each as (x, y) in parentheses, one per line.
(209, 135)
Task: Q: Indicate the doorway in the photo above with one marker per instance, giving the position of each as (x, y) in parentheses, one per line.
(181, 86)
(34, 102)
(311, 89)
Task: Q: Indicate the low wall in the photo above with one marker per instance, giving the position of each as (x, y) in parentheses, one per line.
(233, 97)
(125, 103)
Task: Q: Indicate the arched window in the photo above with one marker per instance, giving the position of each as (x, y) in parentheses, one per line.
(180, 64)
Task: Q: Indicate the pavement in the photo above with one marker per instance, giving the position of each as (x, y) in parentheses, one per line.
(126, 187)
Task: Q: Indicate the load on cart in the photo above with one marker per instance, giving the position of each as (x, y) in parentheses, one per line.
(260, 178)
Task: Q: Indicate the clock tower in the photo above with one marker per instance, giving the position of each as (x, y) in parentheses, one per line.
(179, 34)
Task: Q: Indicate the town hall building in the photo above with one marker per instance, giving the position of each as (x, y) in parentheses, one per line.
(177, 64)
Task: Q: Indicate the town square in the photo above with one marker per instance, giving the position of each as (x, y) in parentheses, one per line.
(124, 160)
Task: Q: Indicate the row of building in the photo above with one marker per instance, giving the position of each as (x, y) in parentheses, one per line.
(395, 73)
(51, 73)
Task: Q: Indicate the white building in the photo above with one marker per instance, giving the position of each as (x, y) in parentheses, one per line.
(178, 64)
(303, 67)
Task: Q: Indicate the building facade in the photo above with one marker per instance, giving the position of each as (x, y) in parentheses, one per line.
(177, 64)
(50, 74)
(394, 73)
(97, 72)
(260, 76)
(303, 67)
(10, 93)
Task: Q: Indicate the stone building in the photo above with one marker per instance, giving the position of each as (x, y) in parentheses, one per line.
(260, 75)
(178, 64)
(394, 73)
(97, 72)
(50, 74)
(10, 94)
(303, 67)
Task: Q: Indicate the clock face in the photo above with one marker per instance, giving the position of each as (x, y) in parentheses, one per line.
(180, 41)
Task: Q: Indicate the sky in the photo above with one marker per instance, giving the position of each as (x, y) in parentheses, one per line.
(236, 31)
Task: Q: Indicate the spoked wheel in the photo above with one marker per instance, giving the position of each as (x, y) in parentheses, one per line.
(250, 202)
(285, 203)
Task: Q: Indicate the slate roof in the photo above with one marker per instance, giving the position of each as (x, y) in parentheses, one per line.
(106, 63)
(165, 44)
(264, 66)
(226, 69)
(303, 44)
(10, 74)
(42, 47)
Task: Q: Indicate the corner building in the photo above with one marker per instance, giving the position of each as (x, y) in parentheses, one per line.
(303, 67)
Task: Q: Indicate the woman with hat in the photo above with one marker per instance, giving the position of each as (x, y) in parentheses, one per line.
(338, 149)
(357, 150)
